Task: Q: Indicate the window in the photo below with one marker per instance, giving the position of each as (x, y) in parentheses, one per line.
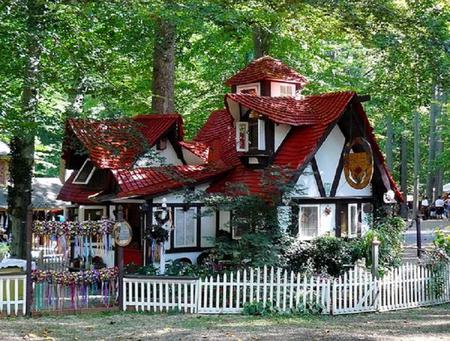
(161, 144)
(185, 234)
(92, 213)
(250, 89)
(261, 135)
(366, 217)
(85, 173)
(352, 220)
(308, 221)
(242, 136)
(287, 90)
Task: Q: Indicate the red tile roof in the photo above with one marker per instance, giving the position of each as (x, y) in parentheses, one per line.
(197, 148)
(219, 132)
(117, 143)
(156, 180)
(81, 194)
(266, 68)
(302, 141)
(153, 126)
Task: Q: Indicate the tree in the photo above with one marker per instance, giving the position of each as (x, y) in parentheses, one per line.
(163, 85)
(22, 142)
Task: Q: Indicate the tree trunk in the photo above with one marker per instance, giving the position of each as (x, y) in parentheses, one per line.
(262, 40)
(163, 87)
(389, 142)
(416, 163)
(431, 178)
(439, 172)
(404, 175)
(22, 143)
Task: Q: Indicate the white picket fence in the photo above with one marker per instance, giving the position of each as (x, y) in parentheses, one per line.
(356, 291)
(160, 294)
(13, 294)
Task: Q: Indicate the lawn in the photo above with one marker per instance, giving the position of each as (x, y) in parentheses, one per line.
(421, 323)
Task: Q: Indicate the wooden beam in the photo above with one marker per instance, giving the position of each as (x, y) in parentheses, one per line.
(318, 178)
(363, 98)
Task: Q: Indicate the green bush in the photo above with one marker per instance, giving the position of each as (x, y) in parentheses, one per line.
(259, 309)
(4, 250)
(442, 241)
(328, 255)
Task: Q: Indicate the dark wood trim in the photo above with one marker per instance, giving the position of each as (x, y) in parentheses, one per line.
(337, 175)
(318, 178)
(337, 219)
(217, 222)
(183, 205)
(172, 234)
(199, 227)
(330, 200)
(187, 249)
(363, 98)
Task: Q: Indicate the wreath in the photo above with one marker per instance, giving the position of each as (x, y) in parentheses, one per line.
(157, 233)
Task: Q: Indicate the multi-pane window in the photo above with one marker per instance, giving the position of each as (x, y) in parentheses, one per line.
(287, 90)
(308, 221)
(242, 136)
(185, 234)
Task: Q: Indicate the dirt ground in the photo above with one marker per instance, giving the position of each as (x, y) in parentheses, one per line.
(431, 323)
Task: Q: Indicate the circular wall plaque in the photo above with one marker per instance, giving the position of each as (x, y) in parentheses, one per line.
(358, 166)
(122, 233)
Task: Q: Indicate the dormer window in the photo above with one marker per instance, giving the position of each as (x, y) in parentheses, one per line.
(85, 173)
(287, 90)
(242, 136)
(251, 135)
(249, 89)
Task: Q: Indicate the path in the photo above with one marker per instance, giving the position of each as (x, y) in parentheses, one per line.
(427, 227)
(430, 323)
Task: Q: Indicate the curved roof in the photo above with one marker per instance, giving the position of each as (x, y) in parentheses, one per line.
(267, 68)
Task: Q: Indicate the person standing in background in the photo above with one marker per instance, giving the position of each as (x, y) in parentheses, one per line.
(439, 204)
(424, 207)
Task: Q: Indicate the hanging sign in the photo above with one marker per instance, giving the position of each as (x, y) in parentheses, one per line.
(122, 233)
(358, 166)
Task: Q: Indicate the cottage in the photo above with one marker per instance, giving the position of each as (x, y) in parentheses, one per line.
(325, 142)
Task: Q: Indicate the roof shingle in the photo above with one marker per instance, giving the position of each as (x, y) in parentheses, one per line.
(266, 68)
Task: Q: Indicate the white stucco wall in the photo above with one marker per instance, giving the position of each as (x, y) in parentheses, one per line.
(328, 155)
(306, 184)
(191, 158)
(345, 190)
(281, 130)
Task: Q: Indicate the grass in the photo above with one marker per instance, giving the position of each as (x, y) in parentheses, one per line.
(421, 323)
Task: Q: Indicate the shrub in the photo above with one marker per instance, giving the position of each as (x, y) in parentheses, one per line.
(4, 250)
(326, 254)
(259, 309)
(442, 241)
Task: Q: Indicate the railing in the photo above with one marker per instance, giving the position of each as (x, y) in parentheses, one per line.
(13, 294)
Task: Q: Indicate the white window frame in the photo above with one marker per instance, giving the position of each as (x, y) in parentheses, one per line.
(184, 224)
(290, 86)
(366, 218)
(238, 125)
(300, 235)
(249, 86)
(351, 233)
(261, 134)
(82, 208)
(79, 172)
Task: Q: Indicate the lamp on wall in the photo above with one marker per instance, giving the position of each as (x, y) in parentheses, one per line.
(253, 114)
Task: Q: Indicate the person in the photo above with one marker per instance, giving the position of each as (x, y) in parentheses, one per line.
(439, 203)
(424, 207)
(447, 206)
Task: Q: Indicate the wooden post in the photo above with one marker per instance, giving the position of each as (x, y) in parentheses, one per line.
(418, 236)
(120, 260)
(29, 283)
(375, 255)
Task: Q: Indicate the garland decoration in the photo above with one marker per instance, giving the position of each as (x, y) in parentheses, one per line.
(68, 278)
(55, 289)
(73, 228)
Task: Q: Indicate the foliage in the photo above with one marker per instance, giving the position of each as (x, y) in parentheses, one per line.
(325, 255)
(438, 262)
(388, 229)
(442, 241)
(255, 308)
(311, 307)
(4, 250)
